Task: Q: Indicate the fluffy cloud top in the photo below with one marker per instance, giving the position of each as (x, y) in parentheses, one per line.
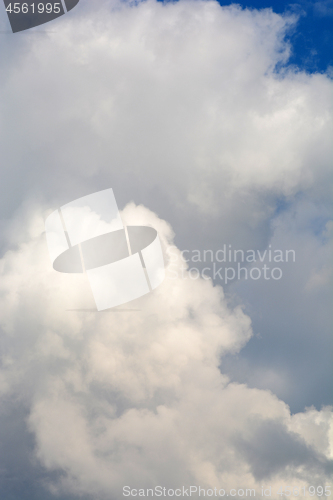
(181, 99)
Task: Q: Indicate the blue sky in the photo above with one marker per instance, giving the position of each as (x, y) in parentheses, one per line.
(312, 38)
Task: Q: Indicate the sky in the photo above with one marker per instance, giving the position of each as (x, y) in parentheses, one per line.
(212, 123)
(312, 39)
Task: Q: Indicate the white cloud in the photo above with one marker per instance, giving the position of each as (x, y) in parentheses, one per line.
(179, 97)
(176, 106)
(136, 397)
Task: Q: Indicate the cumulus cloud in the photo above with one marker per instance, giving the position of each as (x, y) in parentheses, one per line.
(182, 95)
(135, 397)
(189, 109)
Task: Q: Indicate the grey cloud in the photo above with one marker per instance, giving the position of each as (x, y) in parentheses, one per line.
(271, 449)
(21, 476)
(290, 352)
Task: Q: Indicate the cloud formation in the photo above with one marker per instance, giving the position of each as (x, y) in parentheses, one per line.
(186, 108)
(136, 397)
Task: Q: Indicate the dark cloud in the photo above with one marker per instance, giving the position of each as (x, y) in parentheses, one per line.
(271, 449)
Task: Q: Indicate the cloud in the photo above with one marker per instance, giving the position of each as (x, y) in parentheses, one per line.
(323, 8)
(136, 397)
(181, 95)
(190, 109)
(289, 451)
